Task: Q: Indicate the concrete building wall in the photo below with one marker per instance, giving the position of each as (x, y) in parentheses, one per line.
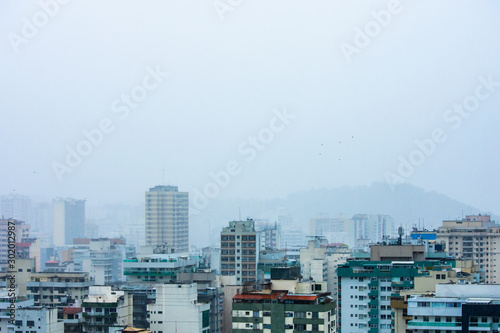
(40, 320)
(229, 292)
(313, 252)
(333, 260)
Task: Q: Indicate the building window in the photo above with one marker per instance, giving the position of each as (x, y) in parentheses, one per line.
(300, 327)
(300, 314)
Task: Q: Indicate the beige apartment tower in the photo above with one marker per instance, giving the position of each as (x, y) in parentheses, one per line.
(240, 251)
(474, 238)
(167, 219)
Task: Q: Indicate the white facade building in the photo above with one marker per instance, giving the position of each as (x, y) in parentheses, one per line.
(6, 310)
(177, 310)
(107, 309)
(39, 320)
(447, 310)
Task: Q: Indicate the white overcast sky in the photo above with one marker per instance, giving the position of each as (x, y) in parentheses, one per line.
(353, 120)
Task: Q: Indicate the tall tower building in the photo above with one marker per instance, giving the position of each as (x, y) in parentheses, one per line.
(69, 220)
(474, 238)
(15, 206)
(167, 218)
(240, 251)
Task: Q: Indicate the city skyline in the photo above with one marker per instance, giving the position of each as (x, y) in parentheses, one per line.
(231, 110)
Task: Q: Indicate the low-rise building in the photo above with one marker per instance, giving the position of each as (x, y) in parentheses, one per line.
(157, 265)
(59, 289)
(286, 305)
(281, 311)
(8, 311)
(72, 317)
(456, 308)
(39, 320)
(105, 309)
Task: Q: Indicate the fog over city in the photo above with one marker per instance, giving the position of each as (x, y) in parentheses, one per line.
(228, 100)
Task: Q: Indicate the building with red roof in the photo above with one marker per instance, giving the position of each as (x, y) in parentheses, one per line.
(285, 307)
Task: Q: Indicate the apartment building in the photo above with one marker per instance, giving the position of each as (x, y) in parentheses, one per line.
(157, 265)
(21, 230)
(69, 220)
(177, 309)
(16, 206)
(167, 217)
(39, 320)
(102, 260)
(6, 310)
(240, 251)
(58, 289)
(366, 287)
(287, 306)
(456, 308)
(474, 238)
(105, 310)
(208, 292)
(270, 237)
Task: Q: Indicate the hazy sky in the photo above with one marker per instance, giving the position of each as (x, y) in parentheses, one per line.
(287, 95)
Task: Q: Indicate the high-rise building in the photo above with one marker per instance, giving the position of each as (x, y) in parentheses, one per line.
(270, 237)
(69, 220)
(21, 230)
(15, 206)
(167, 219)
(366, 288)
(372, 228)
(474, 238)
(240, 251)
